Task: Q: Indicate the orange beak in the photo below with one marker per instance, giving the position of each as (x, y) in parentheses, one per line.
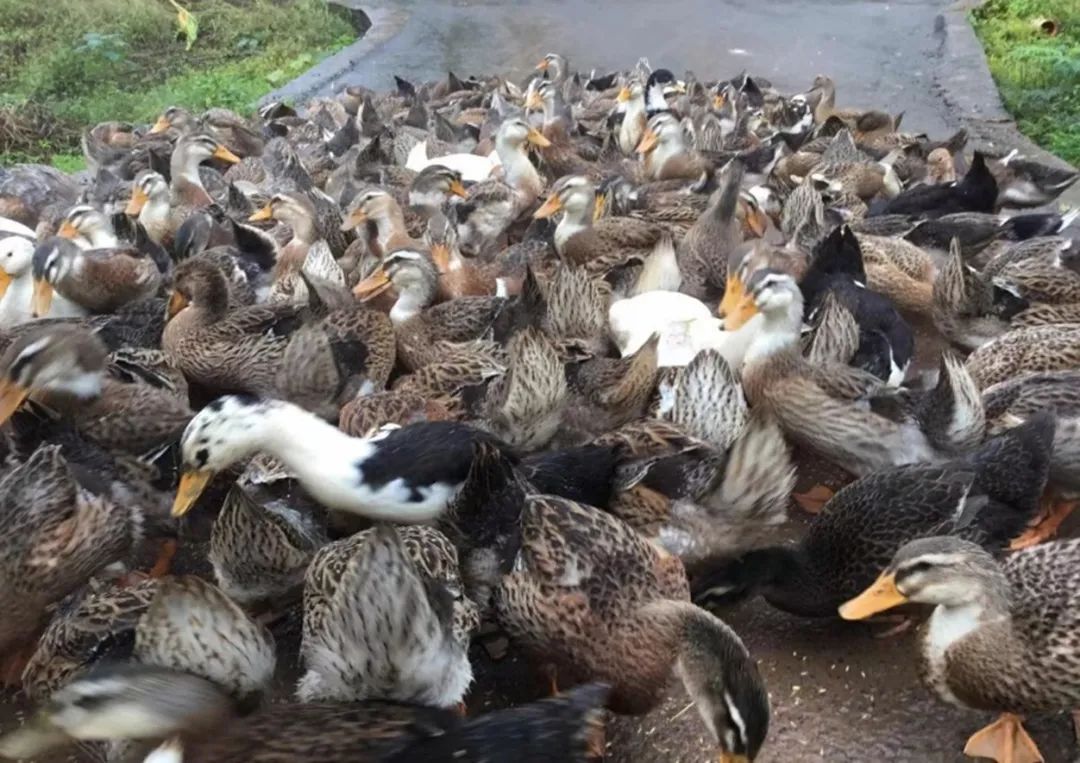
(440, 255)
(718, 101)
(648, 141)
(42, 300)
(137, 202)
(457, 188)
(537, 138)
(225, 155)
(738, 306)
(192, 484)
(67, 230)
(11, 397)
(357, 217)
(543, 65)
(550, 207)
(266, 213)
(5, 282)
(598, 207)
(177, 302)
(161, 125)
(372, 286)
(880, 596)
(624, 94)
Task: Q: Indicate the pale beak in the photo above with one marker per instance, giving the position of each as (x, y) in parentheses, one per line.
(624, 95)
(550, 207)
(161, 125)
(648, 141)
(880, 596)
(537, 138)
(42, 300)
(225, 155)
(137, 202)
(372, 286)
(718, 102)
(177, 302)
(192, 484)
(730, 757)
(440, 255)
(5, 282)
(457, 188)
(356, 217)
(265, 213)
(11, 397)
(598, 207)
(67, 230)
(543, 65)
(534, 101)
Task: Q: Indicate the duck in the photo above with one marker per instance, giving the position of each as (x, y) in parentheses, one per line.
(150, 204)
(394, 474)
(493, 204)
(865, 124)
(88, 228)
(977, 191)
(665, 155)
(65, 368)
(995, 639)
(296, 211)
(17, 286)
(556, 603)
(867, 521)
(100, 281)
(187, 192)
(599, 245)
(200, 723)
(631, 98)
(385, 617)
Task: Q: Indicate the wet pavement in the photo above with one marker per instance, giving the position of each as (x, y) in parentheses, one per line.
(881, 54)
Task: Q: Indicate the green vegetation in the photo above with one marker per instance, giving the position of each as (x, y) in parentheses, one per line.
(69, 64)
(1038, 73)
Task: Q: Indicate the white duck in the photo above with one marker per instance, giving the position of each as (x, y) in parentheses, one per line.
(17, 285)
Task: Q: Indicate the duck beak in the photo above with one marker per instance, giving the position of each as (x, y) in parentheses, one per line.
(42, 300)
(5, 282)
(457, 188)
(718, 101)
(534, 101)
(192, 484)
(679, 87)
(598, 206)
(537, 138)
(550, 207)
(624, 94)
(67, 230)
(880, 596)
(543, 65)
(440, 255)
(354, 218)
(265, 213)
(177, 302)
(738, 306)
(11, 397)
(754, 219)
(648, 141)
(137, 202)
(161, 125)
(225, 155)
(372, 286)
(730, 757)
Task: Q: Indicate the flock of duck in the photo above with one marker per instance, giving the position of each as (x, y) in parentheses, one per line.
(526, 359)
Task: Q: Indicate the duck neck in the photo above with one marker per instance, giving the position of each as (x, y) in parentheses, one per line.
(410, 304)
(572, 222)
(518, 171)
(778, 333)
(186, 182)
(390, 227)
(666, 150)
(155, 211)
(827, 103)
(654, 97)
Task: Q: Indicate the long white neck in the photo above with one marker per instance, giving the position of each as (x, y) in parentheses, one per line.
(155, 211)
(185, 171)
(571, 223)
(409, 304)
(390, 225)
(517, 169)
(630, 129)
(779, 330)
(668, 148)
(654, 98)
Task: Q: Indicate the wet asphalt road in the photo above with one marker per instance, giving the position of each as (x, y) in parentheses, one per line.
(881, 54)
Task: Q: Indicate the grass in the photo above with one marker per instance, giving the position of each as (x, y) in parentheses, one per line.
(69, 64)
(1038, 75)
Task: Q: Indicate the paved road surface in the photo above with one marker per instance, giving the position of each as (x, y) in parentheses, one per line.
(882, 54)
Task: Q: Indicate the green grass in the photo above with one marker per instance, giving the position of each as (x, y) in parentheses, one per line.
(69, 64)
(1038, 75)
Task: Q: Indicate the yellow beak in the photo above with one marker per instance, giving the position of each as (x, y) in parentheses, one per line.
(648, 141)
(537, 138)
(372, 286)
(191, 487)
(356, 217)
(266, 213)
(42, 300)
(543, 65)
(880, 596)
(177, 302)
(11, 397)
(624, 95)
(5, 282)
(440, 255)
(225, 155)
(534, 101)
(67, 230)
(730, 757)
(718, 101)
(737, 306)
(137, 202)
(457, 188)
(550, 207)
(598, 207)
(161, 125)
